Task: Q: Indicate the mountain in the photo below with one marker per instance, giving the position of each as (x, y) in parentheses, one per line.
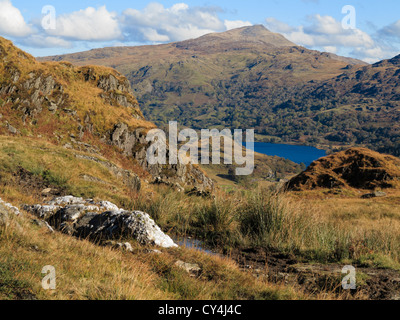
(359, 107)
(253, 78)
(230, 79)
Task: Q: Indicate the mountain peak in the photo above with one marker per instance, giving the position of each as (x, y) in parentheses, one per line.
(257, 34)
(252, 31)
(237, 38)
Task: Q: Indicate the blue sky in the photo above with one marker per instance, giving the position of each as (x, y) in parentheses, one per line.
(315, 24)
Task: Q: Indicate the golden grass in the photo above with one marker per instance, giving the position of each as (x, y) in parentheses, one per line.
(86, 271)
(374, 224)
(60, 166)
(83, 270)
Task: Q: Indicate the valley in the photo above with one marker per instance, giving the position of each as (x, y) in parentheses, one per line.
(73, 163)
(253, 78)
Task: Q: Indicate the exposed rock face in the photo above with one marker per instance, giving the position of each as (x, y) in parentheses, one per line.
(33, 94)
(354, 168)
(10, 207)
(100, 221)
(193, 269)
(116, 91)
(134, 144)
(130, 179)
(4, 218)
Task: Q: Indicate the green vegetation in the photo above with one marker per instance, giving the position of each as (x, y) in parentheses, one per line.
(85, 271)
(287, 94)
(272, 220)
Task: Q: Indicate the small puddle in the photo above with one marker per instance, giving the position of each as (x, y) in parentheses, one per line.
(191, 243)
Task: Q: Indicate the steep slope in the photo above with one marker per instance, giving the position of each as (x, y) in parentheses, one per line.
(359, 107)
(89, 109)
(252, 78)
(354, 168)
(232, 79)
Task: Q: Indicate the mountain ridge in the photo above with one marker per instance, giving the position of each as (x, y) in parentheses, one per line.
(246, 36)
(258, 35)
(287, 94)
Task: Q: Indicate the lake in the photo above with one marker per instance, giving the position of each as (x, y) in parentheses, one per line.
(295, 153)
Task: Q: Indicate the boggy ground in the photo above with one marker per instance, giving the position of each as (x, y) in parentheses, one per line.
(286, 269)
(304, 239)
(320, 230)
(376, 221)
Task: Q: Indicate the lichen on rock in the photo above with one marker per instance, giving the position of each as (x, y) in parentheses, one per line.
(100, 221)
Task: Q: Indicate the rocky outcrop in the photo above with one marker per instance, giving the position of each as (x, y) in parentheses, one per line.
(32, 95)
(134, 144)
(60, 103)
(376, 194)
(354, 168)
(10, 207)
(116, 89)
(100, 221)
(131, 180)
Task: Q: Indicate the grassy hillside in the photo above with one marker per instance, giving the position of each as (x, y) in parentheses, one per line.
(69, 130)
(236, 79)
(85, 271)
(308, 229)
(252, 78)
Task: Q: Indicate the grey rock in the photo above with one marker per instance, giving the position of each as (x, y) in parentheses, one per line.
(155, 251)
(43, 224)
(11, 129)
(100, 221)
(376, 194)
(4, 218)
(53, 107)
(191, 268)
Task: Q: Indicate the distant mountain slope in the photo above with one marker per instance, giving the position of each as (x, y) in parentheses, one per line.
(227, 79)
(359, 107)
(253, 78)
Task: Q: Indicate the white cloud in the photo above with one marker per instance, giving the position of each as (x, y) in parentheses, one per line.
(331, 49)
(392, 30)
(323, 31)
(156, 23)
(279, 26)
(89, 24)
(326, 33)
(44, 41)
(12, 22)
(233, 24)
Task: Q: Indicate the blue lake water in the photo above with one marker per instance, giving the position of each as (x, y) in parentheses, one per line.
(295, 153)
